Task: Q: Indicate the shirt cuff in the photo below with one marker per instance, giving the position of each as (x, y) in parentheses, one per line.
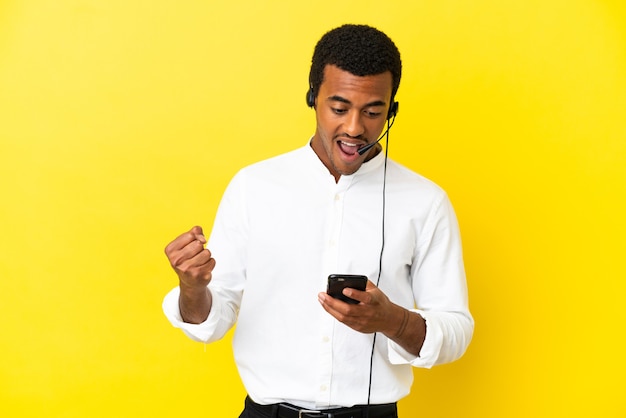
(430, 349)
(198, 332)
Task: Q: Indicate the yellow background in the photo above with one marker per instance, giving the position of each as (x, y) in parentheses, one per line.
(121, 122)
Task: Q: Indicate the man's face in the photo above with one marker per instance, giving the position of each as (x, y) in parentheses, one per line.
(351, 112)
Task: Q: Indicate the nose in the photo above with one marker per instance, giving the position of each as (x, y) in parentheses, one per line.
(353, 124)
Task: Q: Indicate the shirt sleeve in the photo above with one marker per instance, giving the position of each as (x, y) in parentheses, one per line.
(439, 329)
(208, 331)
(440, 292)
(227, 245)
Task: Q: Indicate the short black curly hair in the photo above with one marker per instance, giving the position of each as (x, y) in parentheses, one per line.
(358, 49)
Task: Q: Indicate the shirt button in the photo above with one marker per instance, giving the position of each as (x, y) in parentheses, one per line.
(337, 197)
(323, 388)
(325, 339)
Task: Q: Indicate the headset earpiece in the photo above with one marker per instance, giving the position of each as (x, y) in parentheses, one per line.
(310, 98)
(393, 110)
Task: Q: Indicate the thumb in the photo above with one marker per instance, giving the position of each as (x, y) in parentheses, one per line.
(198, 233)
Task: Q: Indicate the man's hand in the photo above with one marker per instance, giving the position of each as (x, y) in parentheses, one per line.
(376, 313)
(194, 266)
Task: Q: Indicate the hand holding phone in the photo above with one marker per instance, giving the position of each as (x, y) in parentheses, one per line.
(338, 282)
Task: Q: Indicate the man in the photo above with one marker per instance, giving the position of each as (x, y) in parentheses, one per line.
(336, 205)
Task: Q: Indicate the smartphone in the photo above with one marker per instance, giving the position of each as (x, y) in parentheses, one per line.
(337, 282)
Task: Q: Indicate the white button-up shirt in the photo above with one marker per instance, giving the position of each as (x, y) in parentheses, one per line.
(282, 227)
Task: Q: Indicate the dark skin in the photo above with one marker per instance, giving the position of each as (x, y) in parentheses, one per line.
(194, 266)
(351, 113)
(376, 313)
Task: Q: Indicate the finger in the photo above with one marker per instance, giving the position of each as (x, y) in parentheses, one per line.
(344, 312)
(202, 260)
(359, 295)
(191, 250)
(184, 239)
(201, 264)
(197, 231)
(336, 307)
(328, 303)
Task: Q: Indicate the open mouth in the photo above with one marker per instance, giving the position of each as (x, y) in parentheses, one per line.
(349, 148)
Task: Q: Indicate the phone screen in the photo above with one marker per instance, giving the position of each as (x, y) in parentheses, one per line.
(337, 282)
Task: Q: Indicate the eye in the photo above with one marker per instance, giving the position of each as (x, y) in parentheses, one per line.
(338, 111)
(372, 114)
